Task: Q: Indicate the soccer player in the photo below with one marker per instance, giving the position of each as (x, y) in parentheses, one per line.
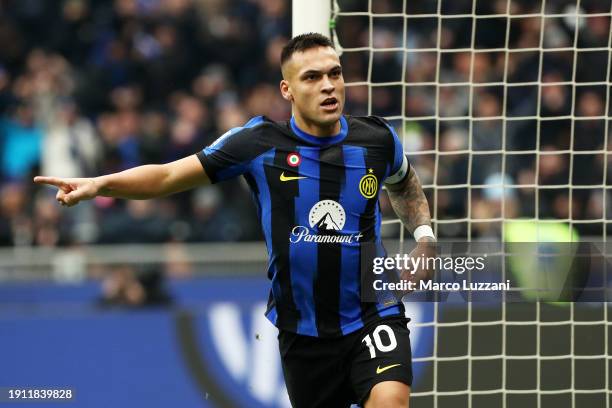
(316, 180)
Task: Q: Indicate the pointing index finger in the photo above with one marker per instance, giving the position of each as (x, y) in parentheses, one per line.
(54, 181)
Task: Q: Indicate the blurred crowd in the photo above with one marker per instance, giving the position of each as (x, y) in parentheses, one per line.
(502, 141)
(89, 87)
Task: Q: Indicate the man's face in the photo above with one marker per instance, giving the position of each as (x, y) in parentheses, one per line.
(313, 82)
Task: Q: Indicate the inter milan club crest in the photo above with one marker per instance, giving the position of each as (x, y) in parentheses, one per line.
(294, 159)
(368, 185)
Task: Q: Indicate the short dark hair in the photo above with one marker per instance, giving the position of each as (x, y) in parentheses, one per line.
(304, 42)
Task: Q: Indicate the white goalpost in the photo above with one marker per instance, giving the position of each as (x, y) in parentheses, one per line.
(503, 108)
(311, 16)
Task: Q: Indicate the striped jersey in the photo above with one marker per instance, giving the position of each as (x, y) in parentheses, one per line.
(317, 201)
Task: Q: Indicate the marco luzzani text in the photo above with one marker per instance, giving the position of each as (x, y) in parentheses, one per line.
(412, 264)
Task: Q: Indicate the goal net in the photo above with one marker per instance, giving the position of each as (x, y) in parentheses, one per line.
(503, 107)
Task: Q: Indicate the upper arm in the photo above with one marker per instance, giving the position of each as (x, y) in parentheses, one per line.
(400, 166)
(184, 174)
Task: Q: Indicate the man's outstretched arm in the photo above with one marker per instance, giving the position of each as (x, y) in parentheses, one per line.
(143, 182)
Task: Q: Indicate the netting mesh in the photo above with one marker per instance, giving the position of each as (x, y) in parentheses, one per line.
(503, 107)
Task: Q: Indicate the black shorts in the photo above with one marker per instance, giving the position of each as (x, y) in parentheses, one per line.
(338, 372)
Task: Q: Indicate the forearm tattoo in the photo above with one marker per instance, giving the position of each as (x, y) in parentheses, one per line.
(409, 201)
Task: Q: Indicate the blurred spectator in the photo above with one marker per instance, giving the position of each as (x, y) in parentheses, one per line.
(71, 147)
(127, 286)
(139, 223)
(47, 231)
(492, 203)
(215, 220)
(21, 140)
(15, 223)
(486, 136)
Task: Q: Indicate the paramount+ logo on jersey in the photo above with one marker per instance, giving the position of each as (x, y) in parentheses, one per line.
(327, 218)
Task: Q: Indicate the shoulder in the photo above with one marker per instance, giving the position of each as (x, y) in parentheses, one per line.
(370, 128)
(372, 121)
(253, 125)
(248, 133)
(261, 124)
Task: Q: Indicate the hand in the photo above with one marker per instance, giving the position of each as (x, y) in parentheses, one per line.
(426, 248)
(71, 190)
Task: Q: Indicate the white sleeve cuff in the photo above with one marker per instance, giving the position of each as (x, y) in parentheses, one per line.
(400, 174)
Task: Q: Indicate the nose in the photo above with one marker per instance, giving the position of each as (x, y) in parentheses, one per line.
(328, 85)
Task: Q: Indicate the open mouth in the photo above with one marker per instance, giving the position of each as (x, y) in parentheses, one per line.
(330, 104)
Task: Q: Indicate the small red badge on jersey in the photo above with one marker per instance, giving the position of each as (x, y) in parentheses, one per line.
(294, 159)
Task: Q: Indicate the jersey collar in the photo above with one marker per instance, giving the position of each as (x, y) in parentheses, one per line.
(321, 140)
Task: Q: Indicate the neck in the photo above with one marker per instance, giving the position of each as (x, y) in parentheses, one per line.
(317, 129)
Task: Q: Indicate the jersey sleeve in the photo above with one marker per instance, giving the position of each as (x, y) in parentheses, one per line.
(400, 166)
(231, 154)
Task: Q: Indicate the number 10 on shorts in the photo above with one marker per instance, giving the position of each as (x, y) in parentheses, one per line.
(378, 342)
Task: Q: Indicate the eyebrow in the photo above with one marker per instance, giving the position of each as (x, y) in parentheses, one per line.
(319, 72)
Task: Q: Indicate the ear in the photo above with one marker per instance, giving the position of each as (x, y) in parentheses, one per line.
(286, 90)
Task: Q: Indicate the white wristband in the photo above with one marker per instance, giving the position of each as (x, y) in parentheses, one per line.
(423, 231)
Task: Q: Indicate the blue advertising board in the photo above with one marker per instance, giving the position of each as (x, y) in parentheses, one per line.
(212, 348)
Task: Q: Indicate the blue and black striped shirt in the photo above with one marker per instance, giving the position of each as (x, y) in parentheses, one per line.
(317, 201)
